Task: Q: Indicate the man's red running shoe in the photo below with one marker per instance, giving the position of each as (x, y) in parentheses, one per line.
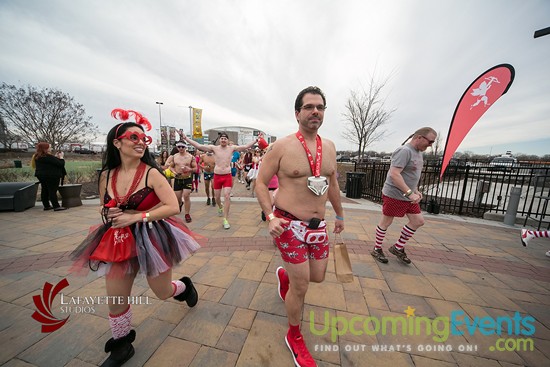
(299, 351)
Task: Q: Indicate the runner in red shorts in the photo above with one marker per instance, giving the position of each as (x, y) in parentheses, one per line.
(305, 165)
(400, 193)
(222, 171)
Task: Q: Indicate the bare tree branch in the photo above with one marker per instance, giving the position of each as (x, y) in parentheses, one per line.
(44, 115)
(365, 115)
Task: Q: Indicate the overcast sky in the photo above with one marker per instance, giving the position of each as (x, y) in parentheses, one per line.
(244, 61)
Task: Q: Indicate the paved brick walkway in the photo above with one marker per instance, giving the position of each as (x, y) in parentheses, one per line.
(459, 268)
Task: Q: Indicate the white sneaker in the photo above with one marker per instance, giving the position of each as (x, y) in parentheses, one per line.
(548, 253)
(526, 236)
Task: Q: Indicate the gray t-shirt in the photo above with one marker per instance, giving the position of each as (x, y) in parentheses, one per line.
(411, 160)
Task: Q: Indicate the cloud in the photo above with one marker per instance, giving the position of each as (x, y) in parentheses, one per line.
(243, 62)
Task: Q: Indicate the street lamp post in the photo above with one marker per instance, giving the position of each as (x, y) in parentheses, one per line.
(160, 115)
(160, 122)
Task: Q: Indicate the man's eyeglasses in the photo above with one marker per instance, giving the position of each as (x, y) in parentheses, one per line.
(136, 137)
(428, 140)
(310, 107)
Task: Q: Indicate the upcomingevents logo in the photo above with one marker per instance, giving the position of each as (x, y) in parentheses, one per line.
(43, 304)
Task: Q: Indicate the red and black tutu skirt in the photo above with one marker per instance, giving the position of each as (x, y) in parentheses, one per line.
(155, 248)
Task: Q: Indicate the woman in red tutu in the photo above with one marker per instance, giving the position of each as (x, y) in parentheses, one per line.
(140, 233)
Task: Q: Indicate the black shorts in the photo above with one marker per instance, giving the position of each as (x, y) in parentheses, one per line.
(183, 184)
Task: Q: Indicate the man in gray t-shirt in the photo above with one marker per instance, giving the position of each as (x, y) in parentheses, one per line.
(400, 193)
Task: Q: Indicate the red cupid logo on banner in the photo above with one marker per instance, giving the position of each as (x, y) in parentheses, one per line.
(44, 307)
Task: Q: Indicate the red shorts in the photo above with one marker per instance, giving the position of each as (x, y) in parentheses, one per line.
(398, 208)
(295, 251)
(221, 181)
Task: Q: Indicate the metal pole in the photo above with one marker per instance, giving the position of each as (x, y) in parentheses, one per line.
(160, 124)
(160, 115)
(191, 122)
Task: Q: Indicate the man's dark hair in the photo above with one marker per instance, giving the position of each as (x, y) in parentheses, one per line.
(223, 133)
(310, 90)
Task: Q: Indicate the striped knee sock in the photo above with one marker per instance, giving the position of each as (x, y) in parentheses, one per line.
(540, 233)
(121, 324)
(380, 234)
(406, 234)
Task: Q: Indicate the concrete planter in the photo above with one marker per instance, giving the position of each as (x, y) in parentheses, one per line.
(70, 195)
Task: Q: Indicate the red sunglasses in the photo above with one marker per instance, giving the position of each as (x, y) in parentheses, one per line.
(136, 137)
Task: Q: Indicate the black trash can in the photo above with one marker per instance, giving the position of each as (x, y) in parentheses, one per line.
(354, 184)
(17, 164)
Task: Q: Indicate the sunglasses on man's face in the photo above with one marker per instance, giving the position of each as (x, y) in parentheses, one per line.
(136, 137)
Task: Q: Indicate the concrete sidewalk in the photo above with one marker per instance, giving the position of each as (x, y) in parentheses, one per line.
(461, 269)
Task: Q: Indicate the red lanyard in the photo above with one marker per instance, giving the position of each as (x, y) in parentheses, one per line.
(315, 167)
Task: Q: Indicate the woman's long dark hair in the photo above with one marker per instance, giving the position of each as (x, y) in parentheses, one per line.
(111, 157)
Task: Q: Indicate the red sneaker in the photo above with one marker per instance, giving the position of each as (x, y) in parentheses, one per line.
(282, 279)
(299, 351)
(188, 218)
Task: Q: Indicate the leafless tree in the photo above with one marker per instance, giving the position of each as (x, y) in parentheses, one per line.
(6, 136)
(365, 115)
(437, 146)
(44, 115)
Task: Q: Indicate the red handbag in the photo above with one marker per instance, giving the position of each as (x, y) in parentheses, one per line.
(116, 245)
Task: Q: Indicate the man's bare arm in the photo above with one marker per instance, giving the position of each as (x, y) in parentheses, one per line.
(202, 148)
(242, 148)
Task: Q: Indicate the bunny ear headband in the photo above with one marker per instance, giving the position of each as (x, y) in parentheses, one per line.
(123, 115)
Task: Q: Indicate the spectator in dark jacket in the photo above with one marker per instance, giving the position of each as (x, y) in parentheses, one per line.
(49, 170)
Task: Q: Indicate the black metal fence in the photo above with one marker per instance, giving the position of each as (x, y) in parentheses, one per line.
(467, 188)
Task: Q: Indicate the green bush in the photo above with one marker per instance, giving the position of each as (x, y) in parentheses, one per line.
(77, 172)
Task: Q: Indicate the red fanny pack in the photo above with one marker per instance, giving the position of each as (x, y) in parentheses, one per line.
(116, 245)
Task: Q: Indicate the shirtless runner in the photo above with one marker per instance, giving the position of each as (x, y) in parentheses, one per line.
(208, 163)
(222, 170)
(296, 221)
(183, 164)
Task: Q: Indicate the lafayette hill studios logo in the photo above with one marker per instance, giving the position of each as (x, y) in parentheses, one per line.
(43, 313)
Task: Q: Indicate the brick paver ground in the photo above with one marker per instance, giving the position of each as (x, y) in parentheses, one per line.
(474, 270)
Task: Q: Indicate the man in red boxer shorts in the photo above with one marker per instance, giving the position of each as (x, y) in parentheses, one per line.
(400, 193)
(306, 167)
(222, 170)
(294, 246)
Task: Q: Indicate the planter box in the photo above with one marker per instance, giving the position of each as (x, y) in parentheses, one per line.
(17, 196)
(70, 195)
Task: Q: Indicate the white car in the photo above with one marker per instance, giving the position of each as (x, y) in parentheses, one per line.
(503, 164)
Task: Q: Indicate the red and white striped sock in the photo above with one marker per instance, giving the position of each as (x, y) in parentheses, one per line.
(178, 286)
(540, 233)
(406, 234)
(380, 234)
(121, 324)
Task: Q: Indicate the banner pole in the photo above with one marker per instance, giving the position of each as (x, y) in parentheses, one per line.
(191, 122)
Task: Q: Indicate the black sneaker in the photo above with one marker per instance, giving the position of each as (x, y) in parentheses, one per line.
(208, 201)
(401, 255)
(378, 254)
(213, 201)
